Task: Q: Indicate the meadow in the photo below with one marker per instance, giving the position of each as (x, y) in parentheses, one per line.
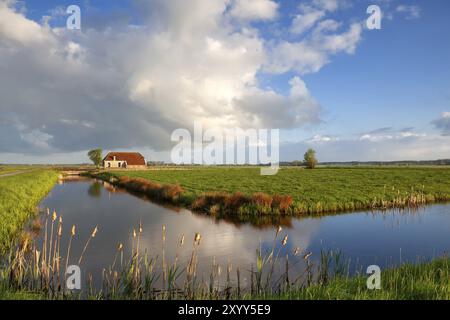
(19, 196)
(322, 190)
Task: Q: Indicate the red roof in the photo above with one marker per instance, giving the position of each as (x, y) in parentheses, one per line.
(132, 158)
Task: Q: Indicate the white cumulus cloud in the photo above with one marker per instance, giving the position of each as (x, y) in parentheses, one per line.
(254, 9)
(130, 86)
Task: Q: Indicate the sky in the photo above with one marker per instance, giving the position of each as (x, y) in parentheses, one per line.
(137, 70)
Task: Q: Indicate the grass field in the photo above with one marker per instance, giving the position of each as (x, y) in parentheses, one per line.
(314, 191)
(19, 196)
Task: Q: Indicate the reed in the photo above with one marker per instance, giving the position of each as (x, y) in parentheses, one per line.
(72, 235)
(137, 276)
(54, 216)
(163, 247)
(92, 236)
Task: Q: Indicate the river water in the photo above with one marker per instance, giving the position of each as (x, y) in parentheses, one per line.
(363, 238)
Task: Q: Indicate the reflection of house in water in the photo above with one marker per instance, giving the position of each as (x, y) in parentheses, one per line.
(124, 160)
(111, 188)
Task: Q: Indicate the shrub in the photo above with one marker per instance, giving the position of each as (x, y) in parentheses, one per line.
(168, 192)
(215, 209)
(209, 199)
(283, 203)
(235, 201)
(199, 204)
(262, 199)
(171, 192)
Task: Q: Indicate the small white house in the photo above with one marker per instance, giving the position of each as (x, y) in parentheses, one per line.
(124, 160)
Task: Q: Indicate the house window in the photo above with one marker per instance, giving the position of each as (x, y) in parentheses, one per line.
(109, 164)
(118, 164)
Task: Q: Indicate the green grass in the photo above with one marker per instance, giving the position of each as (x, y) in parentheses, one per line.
(426, 281)
(19, 196)
(7, 169)
(20, 295)
(314, 191)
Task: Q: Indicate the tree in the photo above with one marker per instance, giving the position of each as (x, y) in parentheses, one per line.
(96, 156)
(310, 159)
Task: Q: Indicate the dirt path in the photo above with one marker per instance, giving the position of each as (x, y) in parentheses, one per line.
(9, 174)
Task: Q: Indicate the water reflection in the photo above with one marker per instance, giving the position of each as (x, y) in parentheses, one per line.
(363, 237)
(95, 190)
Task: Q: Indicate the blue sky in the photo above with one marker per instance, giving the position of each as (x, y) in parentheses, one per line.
(398, 76)
(369, 94)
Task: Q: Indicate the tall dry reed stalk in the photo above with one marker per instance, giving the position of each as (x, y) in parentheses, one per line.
(93, 234)
(54, 216)
(163, 250)
(69, 247)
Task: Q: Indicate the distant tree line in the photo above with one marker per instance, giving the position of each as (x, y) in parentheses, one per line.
(440, 162)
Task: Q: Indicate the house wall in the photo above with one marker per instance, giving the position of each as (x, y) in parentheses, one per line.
(113, 164)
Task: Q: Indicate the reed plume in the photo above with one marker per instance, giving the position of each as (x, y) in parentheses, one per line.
(51, 236)
(72, 235)
(87, 243)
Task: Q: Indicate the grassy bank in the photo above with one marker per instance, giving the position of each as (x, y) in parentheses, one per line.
(19, 295)
(322, 190)
(426, 281)
(19, 196)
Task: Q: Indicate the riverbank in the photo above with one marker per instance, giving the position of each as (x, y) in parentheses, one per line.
(19, 196)
(293, 191)
(425, 281)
